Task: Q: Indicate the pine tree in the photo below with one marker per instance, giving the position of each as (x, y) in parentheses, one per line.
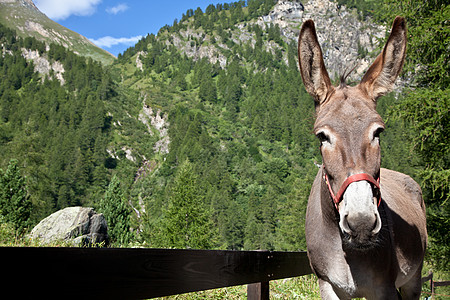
(15, 203)
(254, 225)
(187, 222)
(207, 89)
(290, 235)
(117, 213)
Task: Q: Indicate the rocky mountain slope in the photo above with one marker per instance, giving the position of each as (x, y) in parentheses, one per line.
(346, 40)
(24, 17)
(219, 92)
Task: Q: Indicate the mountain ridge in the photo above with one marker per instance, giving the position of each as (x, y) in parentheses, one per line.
(24, 17)
(357, 44)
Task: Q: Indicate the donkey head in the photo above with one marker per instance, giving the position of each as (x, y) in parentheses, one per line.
(349, 127)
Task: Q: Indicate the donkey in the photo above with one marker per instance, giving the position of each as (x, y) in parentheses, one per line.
(365, 225)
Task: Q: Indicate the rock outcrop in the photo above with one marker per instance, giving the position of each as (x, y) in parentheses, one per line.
(43, 66)
(346, 40)
(72, 225)
(158, 121)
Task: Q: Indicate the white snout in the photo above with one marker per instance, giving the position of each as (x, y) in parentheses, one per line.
(359, 215)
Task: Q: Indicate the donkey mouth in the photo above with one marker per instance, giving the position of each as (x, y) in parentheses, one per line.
(360, 234)
(359, 241)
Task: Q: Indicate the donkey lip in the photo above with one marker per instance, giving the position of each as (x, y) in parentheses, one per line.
(358, 242)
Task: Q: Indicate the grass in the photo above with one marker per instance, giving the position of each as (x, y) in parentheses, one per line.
(305, 287)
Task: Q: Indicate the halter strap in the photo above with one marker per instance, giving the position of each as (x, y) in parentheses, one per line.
(354, 178)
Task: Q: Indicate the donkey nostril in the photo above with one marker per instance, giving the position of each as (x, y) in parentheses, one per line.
(377, 225)
(360, 224)
(347, 223)
(345, 226)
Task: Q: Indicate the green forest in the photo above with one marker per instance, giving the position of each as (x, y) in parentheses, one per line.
(241, 157)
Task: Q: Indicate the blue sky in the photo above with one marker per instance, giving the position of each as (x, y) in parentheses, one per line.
(117, 25)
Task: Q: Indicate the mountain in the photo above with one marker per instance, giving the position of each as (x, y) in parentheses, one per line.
(24, 17)
(347, 38)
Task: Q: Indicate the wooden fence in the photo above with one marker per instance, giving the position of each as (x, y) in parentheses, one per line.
(434, 284)
(107, 273)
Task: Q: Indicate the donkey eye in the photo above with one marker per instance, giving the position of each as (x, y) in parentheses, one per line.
(323, 138)
(377, 132)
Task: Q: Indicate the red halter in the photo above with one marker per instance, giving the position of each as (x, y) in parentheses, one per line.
(354, 178)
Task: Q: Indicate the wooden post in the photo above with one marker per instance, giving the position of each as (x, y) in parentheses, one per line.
(432, 286)
(258, 291)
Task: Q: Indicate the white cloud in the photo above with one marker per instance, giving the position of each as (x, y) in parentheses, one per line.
(109, 41)
(117, 9)
(62, 9)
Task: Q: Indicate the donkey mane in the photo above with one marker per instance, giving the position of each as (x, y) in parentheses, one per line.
(344, 76)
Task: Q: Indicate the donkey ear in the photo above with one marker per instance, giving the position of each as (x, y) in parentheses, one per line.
(382, 74)
(312, 68)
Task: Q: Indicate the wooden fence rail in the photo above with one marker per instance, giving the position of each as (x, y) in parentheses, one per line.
(108, 273)
(434, 284)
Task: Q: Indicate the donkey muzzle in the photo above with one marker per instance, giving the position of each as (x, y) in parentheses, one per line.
(360, 220)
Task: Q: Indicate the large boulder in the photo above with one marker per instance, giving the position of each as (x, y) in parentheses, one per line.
(75, 225)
